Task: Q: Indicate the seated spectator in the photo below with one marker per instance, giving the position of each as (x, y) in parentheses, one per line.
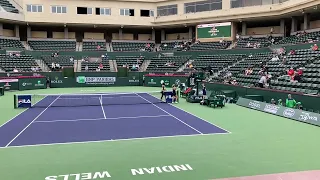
(297, 77)
(275, 58)
(100, 66)
(98, 47)
(263, 81)
(280, 102)
(299, 106)
(37, 69)
(234, 82)
(15, 69)
(248, 71)
(98, 69)
(248, 44)
(292, 52)
(71, 59)
(291, 72)
(300, 71)
(284, 60)
(273, 102)
(58, 66)
(315, 47)
(290, 102)
(53, 66)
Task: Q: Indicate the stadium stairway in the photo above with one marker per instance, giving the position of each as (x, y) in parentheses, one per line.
(77, 65)
(113, 65)
(144, 65)
(79, 46)
(26, 45)
(110, 46)
(42, 65)
(182, 68)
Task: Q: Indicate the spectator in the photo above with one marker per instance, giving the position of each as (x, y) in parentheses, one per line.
(292, 52)
(284, 60)
(33, 69)
(299, 106)
(280, 102)
(297, 77)
(100, 66)
(291, 73)
(98, 69)
(15, 69)
(58, 66)
(98, 47)
(275, 58)
(315, 47)
(290, 102)
(300, 71)
(248, 71)
(71, 59)
(262, 81)
(37, 69)
(273, 102)
(53, 66)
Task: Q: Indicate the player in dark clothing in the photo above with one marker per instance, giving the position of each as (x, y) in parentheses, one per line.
(163, 89)
(204, 92)
(174, 94)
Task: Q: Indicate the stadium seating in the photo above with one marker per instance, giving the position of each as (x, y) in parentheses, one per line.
(167, 63)
(129, 60)
(216, 62)
(130, 46)
(301, 38)
(44, 45)
(8, 6)
(263, 41)
(92, 66)
(210, 45)
(10, 43)
(64, 61)
(253, 60)
(93, 46)
(21, 63)
(171, 46)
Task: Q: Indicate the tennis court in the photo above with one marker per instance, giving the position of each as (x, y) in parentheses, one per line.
(101, 117)
(67, 137)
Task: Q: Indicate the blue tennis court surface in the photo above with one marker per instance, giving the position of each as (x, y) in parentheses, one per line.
(53, 121)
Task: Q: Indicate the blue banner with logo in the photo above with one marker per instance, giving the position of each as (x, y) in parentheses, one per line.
(24, 101)
(295, 114)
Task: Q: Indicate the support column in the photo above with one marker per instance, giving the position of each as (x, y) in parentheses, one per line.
(306, 21)
(153, 35)
(120, 34)
(244, 29)
(17, 30)
(1, 29)
(294, 24)
(163, 35)
(28, 31)
(282, 26)
(66, 33)
(190, 32)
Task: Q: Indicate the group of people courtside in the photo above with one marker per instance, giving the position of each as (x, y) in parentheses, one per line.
(174, 92)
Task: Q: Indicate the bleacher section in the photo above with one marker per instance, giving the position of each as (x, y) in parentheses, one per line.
(64, 61)
(202, 46)
(167, 63)
(130, 46)
(129, 60)
(93, 46)
(255, 61)
(301, 38)
(263, 41)
(8, 6)
(171, 46)
(43, 45)
(10, 43)
(21, 63)
(216, 62)
(92, 66)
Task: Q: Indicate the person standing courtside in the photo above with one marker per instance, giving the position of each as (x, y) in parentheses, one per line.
(163, 89)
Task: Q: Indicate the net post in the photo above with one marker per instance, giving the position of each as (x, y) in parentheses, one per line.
(15, 101)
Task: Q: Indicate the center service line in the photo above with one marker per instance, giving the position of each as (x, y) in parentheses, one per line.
(104, 114)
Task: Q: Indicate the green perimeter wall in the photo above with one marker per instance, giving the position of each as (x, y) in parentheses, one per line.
(311, 103)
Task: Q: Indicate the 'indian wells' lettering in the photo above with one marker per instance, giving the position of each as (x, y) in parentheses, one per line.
(80, 176)
(163, 169)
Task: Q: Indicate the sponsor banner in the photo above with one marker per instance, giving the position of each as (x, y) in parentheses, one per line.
(295, 114)
(96, 80)
(24, 101)
(32, 83)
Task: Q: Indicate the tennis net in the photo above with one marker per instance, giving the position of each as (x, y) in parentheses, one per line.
(99, 99)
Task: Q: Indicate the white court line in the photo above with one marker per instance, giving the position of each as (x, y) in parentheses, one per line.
(32, 121)
(195, 116)
(170, 114)
(98, 119)
(20, 112)
(111, 140)
(103, 97)
(104, 114)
